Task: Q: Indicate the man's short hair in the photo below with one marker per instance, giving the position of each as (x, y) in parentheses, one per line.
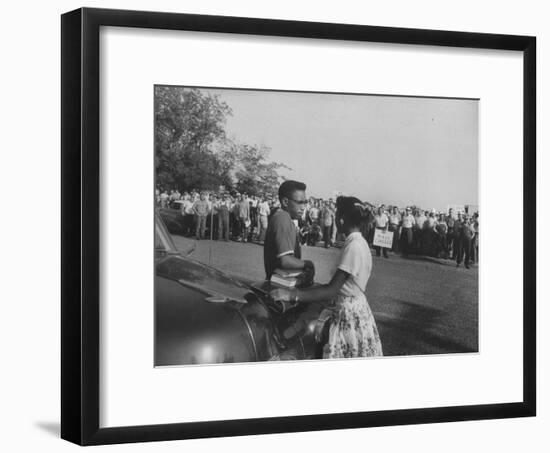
(287, 188)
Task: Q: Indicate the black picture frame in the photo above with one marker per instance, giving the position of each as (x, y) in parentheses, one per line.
(80, 264)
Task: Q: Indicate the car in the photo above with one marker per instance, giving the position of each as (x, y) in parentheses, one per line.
(203, 315)
(173, 220)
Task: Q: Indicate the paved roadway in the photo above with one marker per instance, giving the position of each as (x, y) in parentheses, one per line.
(421, 306)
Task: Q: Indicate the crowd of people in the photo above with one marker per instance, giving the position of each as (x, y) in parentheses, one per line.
(221, 215)
(452, 235)
(244, 217)
(285, 222)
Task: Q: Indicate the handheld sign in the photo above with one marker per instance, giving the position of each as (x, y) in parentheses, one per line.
(383, 238)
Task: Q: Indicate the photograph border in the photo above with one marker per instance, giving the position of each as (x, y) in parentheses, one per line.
(80, 225)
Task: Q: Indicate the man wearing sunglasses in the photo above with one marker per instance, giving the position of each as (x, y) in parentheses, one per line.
(282, 244)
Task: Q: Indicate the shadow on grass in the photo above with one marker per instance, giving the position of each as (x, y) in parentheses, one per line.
(416, 330)
(428, 259)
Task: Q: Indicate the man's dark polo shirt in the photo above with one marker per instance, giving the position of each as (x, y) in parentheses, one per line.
(281, 239)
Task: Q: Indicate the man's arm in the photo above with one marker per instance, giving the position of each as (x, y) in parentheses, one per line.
(285, 245)
(291, 262)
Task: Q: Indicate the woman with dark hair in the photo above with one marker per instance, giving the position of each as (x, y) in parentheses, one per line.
(353, 331)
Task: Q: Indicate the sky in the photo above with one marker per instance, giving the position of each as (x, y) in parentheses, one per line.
(382, 149)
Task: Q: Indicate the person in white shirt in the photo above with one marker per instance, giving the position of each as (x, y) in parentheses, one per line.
(407, 224)
(327, 215)
(244, 217)
(313, 213)
(164, 199)
(224, 208)
(253, 202)
(334, 229)
(430, 235)
(441, 230)
(475, 240)
(174, 195)
(213, 216)
(381, 222)
(420, 219)
(395, 220)
(188, 215)
(352, 330)
(263, 215)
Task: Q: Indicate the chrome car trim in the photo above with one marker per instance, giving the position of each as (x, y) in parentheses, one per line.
(303, 348)
(243, 317)
(210, 292)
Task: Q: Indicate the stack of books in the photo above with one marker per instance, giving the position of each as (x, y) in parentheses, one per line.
(287, 278)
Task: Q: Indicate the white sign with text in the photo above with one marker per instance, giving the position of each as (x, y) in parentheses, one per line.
(383, 238)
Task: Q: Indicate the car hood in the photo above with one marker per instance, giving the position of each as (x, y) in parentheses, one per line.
(204, 278)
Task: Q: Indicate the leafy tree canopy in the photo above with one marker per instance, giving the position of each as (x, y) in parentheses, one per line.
(192, 150)
(255, 174)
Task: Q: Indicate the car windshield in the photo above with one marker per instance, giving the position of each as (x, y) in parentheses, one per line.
(161, 245)
(164, 243)
(163, 240)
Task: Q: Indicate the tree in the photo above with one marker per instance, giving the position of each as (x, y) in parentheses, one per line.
(192, 150)
(188, 123)
(255, 174)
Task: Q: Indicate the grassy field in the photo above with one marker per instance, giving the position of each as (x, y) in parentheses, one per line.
(421, 306)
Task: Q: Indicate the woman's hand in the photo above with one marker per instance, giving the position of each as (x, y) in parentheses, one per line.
(283, 299)
(281, 294)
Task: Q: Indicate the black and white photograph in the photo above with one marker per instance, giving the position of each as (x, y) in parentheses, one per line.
(270, 225)
(244, 226)
(294, 225)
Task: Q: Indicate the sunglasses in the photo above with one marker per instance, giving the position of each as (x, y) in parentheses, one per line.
(300, 202)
